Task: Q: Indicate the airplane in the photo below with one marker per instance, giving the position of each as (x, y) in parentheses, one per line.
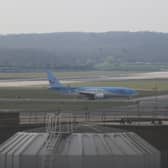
(90, 92)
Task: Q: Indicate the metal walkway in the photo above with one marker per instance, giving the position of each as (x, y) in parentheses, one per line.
(56, 129)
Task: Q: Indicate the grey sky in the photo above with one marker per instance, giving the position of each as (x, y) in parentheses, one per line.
(27, 16)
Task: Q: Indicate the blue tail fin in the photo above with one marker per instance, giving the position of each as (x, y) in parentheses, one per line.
(54, 82)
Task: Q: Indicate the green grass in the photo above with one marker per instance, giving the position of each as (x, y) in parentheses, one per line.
(29, 106)
(21, 75)
(109, 65)
(29, 92)
(31, 99)
(37, 101)
(71, 74)
(161, 84)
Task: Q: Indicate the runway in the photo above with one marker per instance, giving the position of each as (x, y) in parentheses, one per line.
(43, 81)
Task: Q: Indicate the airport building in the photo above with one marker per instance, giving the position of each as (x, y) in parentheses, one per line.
(78, 150)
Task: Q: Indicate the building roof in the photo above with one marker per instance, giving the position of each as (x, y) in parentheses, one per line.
(79, 144)
(78, 150)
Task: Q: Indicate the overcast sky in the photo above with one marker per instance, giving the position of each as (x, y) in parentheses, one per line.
(30, 16)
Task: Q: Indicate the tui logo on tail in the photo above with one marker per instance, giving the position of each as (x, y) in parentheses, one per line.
(54, 82)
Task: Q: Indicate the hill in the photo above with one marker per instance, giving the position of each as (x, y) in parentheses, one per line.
(77, 50)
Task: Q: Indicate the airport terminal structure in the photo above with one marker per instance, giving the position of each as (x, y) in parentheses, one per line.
(78, 150)
(61, 147)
